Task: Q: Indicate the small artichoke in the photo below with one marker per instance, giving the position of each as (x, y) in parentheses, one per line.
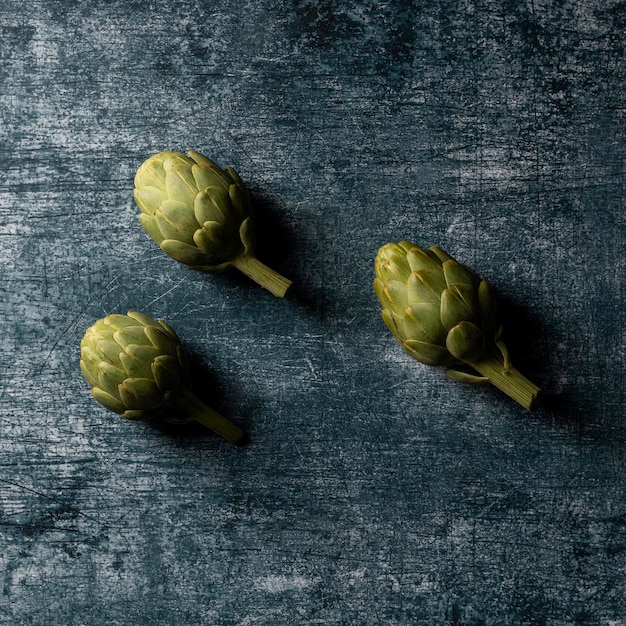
(136, 367)
(442, 313)
(200, 215)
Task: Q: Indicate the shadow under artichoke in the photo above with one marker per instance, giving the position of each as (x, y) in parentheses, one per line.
(208, 387)
(281, 244)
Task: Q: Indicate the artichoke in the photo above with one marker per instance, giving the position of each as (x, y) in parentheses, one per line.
(136, 367)
(442, 313)
(200, 215)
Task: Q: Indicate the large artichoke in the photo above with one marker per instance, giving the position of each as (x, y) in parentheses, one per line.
(136, 367)
(200, 215)
(442, 313)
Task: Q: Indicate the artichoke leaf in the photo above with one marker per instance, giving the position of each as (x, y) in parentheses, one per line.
(89, 372)
(175, 220)
(150, 174)
(391, 270)
(107, 400)
(205, 176)
(99, 331)
(424, 286)
(150, 226)
(464, 377)
(88, 353)
(109, 350)
(419, 261)
(394, 323)
(422, 322)
(231, 172)
(135, 363)
(440, 254)
(171, 158)
(427, 353)
(180, 184)
(160, 338)
(467, 295)
(129, 335)
(204, 209)
(149, 198)
(392, 257)
(144, 353)
(404, 246)
(396, 251)
(140, 393)
(240, 200)
(454, 310)
(169, 330)
(135, 414)
(211, 239)
(247, 235)
(183, 252)
(220, 199)
(200, 159)
(142, 318)
(504, 351)
(109, 377)
(465, 341)
(381, 294)
(166, 372)
(212, 205)
(118, 322)
(397, 294)
(457, 274)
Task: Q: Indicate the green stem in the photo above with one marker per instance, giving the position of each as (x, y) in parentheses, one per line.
(510, 380)
(193, 407)
(263, 275)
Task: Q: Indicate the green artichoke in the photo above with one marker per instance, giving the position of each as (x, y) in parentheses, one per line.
(136, 367)
(200, 215)
(442, 313)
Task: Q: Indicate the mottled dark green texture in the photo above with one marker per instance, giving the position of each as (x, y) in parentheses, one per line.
(374, 490)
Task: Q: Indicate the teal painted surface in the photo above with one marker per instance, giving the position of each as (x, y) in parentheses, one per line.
(374, 490)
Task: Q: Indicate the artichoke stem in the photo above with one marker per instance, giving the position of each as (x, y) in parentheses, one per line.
(193, 407)
(263, 275)
(509, 380)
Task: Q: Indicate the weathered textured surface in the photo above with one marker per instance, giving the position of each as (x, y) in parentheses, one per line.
(375, 491)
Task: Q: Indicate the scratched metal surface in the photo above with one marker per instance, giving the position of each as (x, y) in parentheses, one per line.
(374, 490)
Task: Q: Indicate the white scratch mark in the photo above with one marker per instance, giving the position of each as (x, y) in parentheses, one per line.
(280, 584)
(172, 288)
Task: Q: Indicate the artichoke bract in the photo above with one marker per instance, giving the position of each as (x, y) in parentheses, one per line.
(136, 367)
(442, 313)
(200, 215)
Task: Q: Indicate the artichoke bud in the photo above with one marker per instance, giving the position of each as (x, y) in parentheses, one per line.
(178, 194)
(442, 313)
(136, 367)
(118, 354)
(200, 215)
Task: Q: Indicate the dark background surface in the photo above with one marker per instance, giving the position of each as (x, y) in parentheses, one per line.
(374, 490)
